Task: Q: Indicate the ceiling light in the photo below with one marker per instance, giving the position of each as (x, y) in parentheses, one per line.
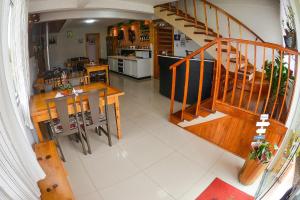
(89, 21)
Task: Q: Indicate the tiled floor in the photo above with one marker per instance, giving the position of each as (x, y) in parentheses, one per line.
(154, 160)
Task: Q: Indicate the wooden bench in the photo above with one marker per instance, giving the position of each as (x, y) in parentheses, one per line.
(55, 185)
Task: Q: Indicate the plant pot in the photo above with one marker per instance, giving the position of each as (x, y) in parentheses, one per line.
(251, 170)
(290, 41)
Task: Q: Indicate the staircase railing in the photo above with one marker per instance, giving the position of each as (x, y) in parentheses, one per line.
(199, 11)
(270, 89)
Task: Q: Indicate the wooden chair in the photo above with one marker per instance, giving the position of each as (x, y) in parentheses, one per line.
(65, 124)
(95, 118)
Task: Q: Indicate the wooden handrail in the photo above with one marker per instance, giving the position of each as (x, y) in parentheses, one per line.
(245, 97)
(261, 44)
(190, 56)
(233, 18)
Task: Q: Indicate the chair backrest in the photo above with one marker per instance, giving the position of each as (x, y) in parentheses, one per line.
(94, 99)
(62, 109)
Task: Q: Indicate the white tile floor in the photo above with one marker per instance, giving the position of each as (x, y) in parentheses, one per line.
(154, 160)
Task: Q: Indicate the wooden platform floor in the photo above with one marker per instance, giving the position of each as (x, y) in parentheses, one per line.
(235, 134)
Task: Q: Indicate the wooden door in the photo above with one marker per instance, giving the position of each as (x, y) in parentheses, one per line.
(92, 46)
(163, 42)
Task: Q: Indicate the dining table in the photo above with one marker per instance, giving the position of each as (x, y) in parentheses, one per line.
(39, 111)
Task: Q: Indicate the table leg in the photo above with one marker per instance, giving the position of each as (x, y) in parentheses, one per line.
(107, 77)
(117, 114)
(38, 130)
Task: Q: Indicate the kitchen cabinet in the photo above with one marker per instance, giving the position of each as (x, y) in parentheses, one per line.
(136, 67)
(113, 64)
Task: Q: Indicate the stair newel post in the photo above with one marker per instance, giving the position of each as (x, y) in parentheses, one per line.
(177, 9)
(195, 12)
(217, 23)
(279, 83)
(227, 70)
(271, 80)
(200, 82)
(186, 86)
(244, 75)
(185, 9)
(173, 89)
(205, 17)
(218, 74)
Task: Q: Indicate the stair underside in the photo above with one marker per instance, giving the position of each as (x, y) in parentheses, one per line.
(197, 32)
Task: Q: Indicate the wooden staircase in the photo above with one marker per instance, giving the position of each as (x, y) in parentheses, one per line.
(201, 33)
(241, 87)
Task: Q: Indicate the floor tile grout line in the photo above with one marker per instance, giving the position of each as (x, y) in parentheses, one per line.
(142, 170)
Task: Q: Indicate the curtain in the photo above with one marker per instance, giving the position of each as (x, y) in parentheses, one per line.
(19, 169)
(18, 37)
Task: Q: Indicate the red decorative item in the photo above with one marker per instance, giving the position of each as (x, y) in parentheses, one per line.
(220, 190)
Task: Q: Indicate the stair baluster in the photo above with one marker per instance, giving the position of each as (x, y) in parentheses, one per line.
(200, 83)
(279, 83)
(271, 81)
(254, 77)
(227, 71)
(261, 80)
(195, 13)
(286, 88)
(186, 86)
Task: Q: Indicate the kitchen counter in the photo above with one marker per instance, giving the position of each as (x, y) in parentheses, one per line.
(126, 57)
(180, 57)
(132, 66)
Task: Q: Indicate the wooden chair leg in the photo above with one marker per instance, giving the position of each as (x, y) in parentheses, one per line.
(82, 143)
(60, 149)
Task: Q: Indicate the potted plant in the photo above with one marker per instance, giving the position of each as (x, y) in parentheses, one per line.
(65, 87)
(289, 29)
(275, 79)
(257, 162)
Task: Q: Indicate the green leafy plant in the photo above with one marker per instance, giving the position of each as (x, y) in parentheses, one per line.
(276, 75)
(261, 151)
(67, 86)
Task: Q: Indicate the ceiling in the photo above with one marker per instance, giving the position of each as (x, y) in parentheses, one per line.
(79, 23)
(147, 2)
(140, 6)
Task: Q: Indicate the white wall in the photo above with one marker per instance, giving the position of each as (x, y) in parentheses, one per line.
(190, 45)
(262, 16)
(66, 48)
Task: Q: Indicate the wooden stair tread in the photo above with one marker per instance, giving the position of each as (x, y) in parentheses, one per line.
(210, 40)
(225, 51)
(204, 33)
(199, 26)
(233, 60)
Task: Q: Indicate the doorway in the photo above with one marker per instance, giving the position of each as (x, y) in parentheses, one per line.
(92, 45)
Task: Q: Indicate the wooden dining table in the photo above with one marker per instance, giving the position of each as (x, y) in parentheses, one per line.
(39, 111)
